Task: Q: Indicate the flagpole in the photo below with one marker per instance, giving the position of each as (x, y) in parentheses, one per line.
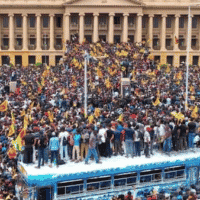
(187, 61)
(85, 83)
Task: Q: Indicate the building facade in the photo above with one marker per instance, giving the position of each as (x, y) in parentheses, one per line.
(34, 31)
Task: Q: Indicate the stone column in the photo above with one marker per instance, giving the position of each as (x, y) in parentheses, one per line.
(111, 28)
(38, 32)
(151, 31)
(163, 39)
(51, 32)
(25, 33)
(81, 27)
(11, 32)
(176, 31)
(139, 28)
(95, 27)
(125, 27)
(66, 30)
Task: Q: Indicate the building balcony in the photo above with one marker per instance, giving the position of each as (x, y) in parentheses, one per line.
(73, 26)
(32, 47)
(156, 48)
(45, 47)
(18, 47)
(103, 26)
(4, 47)
(182, 47)
(117, 26)
(169, 47)
(131, 26)
(195, 47)
(58, 47)
(88, 27)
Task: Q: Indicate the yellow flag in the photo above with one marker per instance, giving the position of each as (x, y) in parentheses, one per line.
(31, 106)
(168, 69)
(23, 113)
(25, 121)
(121, 118)
(4, 106)
(50, 115)
(97, 112)
(90, 119)
(194, 112)
(99, 73)
(11, 130)
(157, 102)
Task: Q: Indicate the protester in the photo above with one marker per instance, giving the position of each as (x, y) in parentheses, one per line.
(54, 147)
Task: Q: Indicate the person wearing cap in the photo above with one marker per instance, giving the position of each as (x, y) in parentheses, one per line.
(54, 148)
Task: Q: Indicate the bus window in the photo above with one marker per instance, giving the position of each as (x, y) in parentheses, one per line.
(150, 176)
(125, 179)
(100, 183)
(174, 172)
(71, 187)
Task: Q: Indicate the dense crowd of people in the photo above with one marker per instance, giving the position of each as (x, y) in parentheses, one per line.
(179, 193)
(48, 107)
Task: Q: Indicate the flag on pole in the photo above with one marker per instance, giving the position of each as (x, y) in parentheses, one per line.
(12, 153)
(11, 130)
(157, 102)
(18, 143)
(176, 40)
(4, 106)
(50, 115)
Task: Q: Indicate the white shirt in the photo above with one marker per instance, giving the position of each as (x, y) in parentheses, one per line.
(137, 139)
(147, 136)
(62, 135)
(162, 130)
(102, 133)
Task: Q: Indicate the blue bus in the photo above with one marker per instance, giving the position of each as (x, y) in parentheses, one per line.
(104, 181)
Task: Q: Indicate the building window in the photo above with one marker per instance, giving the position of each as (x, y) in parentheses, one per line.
(5, 41)
(116, 20)
(32, 41)
(194, 42)
(32, 21)
(194, 22)
(5, 22)
(18, 21)
(88, 20)
(59, 22)
(181, 42)
(45, 21)
(144, 22)
(155, 42)
(168, 22)
(131, 21)
(155, 22)
(19, 41)
(168, 42)
(181, 22)
(102, 20)
(74, 20)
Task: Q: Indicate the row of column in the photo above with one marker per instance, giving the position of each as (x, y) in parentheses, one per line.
(163, 31)
(66, 30)
(110, 29)
(25, 32)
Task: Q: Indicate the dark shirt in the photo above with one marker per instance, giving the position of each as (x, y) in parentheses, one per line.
(109, 135)
(183, 131)
(117, 135)
(129, 134)
(192, 127)
(29, 140)
(43, 141)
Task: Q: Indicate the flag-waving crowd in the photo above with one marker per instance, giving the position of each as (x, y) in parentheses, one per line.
(46, 112)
